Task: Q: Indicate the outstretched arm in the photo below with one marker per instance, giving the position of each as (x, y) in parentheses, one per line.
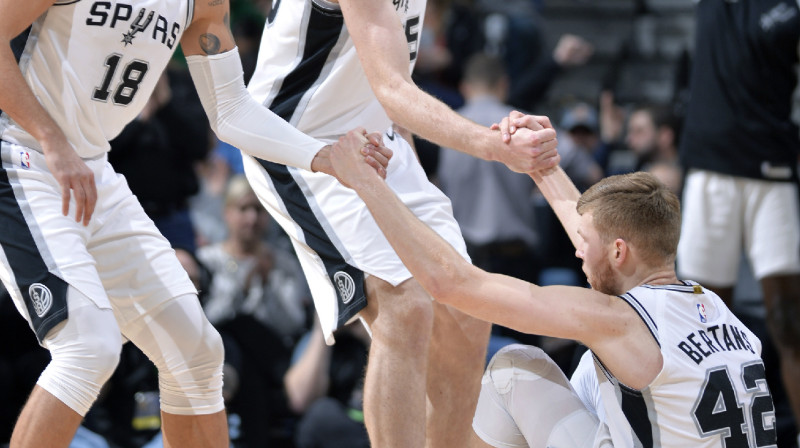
(380, 40)
(555, 185)
(452, 280)
(235, 116)
(18, 101)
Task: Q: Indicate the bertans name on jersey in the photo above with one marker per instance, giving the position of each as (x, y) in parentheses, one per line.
(133, 24)
(699, 345)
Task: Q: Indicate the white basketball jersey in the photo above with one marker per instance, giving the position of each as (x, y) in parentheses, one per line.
(308, 71)
(94, 63)
(711, 391)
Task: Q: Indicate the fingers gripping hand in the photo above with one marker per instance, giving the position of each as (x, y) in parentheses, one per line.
(377, 155)
(533, 138)
(76, 180)
(355, 157)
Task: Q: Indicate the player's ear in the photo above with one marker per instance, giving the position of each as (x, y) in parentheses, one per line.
(621, 251)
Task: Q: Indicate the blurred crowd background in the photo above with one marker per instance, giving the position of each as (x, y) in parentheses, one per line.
(611, 74)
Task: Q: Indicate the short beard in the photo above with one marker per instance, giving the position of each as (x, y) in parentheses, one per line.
(604, 280)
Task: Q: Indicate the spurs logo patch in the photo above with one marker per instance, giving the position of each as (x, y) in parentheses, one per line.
(41, 297)
(346, 285)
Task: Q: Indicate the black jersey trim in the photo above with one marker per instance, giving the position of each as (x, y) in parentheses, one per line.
(634, 406)
(323, 31)
(685, 287)
(643, 314)
(65, 3)
(189, 13)
(18, 45)
(26, 262)
(322, 34)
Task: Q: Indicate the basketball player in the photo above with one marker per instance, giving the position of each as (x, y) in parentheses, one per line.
(741, 144)
(72, 75)
(326, 66)
(673, 367)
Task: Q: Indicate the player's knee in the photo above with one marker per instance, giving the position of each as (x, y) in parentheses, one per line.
(517, 362)
(193, 385)
(79, 369)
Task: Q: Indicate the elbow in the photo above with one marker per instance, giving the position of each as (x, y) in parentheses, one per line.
(393, 94)
(447, 285)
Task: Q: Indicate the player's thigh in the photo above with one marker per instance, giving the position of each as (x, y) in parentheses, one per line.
(711, 231)
(772, 227)
(136, 264)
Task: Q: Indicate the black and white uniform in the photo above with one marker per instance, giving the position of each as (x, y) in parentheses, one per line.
(740, 144)
(710, 393)
(308, 73)
(93, 65)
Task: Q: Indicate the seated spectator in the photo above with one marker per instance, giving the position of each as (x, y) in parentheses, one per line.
(325, 386)
(257, 299)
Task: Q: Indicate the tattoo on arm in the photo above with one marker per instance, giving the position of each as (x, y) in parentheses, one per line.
(227, 20)
(209, 43)
(216, 2)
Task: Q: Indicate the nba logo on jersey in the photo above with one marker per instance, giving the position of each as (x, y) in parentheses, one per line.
(701, 311)
(24, 159)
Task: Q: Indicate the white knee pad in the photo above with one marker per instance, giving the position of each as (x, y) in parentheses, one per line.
(188, 352)
(85, 351)
(527, 401)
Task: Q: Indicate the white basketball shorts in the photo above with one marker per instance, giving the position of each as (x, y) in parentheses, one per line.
(334, 235)
(723, 215)
(120, 261)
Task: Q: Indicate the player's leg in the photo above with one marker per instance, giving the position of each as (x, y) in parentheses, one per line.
(773, 240)
(526, 401)
(782, 301)
(43, 253)
(456, 360)
(401, 321)
(85, 351)
(711, 232)
(157, 309)
(188, 353)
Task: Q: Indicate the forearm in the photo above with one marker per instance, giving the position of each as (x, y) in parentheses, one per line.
(562, 195)
(435, 121)
(240, 120)
(438, 267)
(308, 379)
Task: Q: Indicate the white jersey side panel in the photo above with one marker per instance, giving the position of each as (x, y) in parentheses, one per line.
(93, 65)
(308, 71)
(711, 391)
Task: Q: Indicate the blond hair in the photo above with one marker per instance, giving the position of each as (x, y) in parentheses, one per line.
(639, 209)
(237, 188)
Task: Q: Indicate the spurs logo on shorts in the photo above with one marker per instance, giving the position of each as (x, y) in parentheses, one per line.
(346, 285)
(41, 297)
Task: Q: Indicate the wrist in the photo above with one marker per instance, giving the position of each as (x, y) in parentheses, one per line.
(322, 161)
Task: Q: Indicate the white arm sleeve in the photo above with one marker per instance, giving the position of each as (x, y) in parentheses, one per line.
(240, 120)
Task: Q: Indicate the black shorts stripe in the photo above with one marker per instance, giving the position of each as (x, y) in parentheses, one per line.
(315, 236)
(48, 307)
(324, 29)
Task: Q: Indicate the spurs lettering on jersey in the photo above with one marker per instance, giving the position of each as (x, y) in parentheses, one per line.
(122, 15)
